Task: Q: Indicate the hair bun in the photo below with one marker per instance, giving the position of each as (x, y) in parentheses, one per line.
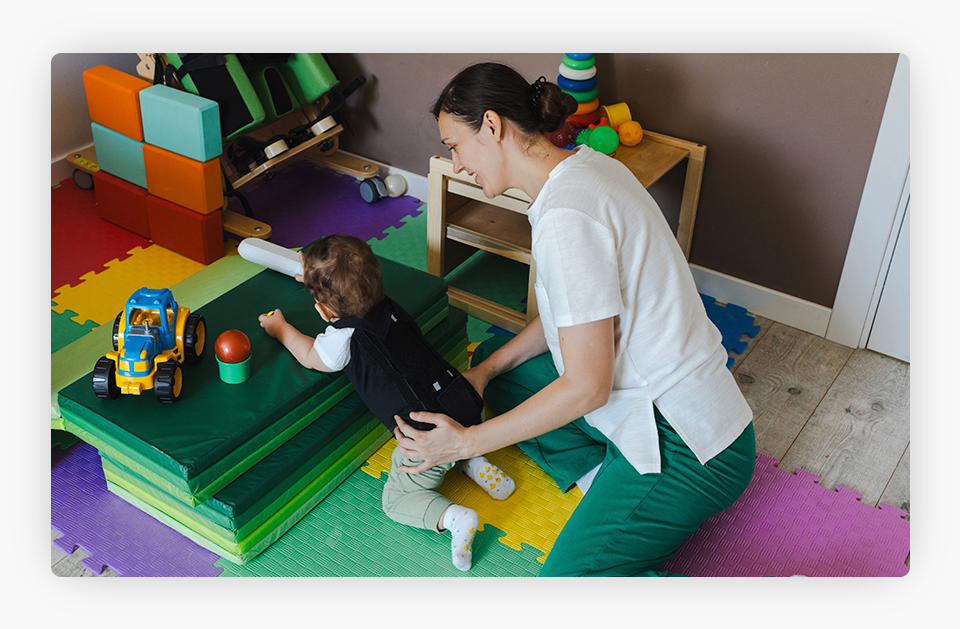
(555, 106)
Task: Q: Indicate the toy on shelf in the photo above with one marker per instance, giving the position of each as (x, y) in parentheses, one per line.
(600, 137)
(233, 356)
(151, 338)
(578, 77)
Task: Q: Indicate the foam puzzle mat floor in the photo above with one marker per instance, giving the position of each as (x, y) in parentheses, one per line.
(347, 533)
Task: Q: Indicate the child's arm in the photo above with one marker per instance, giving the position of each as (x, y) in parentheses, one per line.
(297, 343)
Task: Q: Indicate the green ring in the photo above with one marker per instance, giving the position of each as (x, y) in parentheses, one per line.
(578, 64)
(584, 97)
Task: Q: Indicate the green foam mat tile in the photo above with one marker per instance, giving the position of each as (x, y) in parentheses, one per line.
(348, 535)
(406, 244)
(64, 330)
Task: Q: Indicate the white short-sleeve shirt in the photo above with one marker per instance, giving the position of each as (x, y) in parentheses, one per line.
(333, 347)
(604, 249)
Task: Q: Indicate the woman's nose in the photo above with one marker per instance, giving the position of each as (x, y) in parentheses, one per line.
(457, 166)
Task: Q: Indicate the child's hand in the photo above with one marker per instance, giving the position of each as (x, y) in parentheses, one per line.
(298, 276)
(271, 322)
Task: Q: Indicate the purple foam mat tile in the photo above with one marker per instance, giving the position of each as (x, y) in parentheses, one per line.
(114, 532)
(304, 202)
(787, 524)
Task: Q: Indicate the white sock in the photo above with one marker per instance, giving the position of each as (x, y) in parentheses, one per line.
(462, 524)
(490, 477)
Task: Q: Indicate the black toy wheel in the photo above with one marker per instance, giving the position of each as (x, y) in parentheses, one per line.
(84, 180)
(105, 379)
(373, 189)
(168, 381)
(116, 332)
(194, 338)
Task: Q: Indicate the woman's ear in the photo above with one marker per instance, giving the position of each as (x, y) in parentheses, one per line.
(492, 125)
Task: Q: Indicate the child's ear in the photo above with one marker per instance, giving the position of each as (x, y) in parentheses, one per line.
(325, 312)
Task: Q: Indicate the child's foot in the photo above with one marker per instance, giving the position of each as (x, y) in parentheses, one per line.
(462, 524)
(490, 477)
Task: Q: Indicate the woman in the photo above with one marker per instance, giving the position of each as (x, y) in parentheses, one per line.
(636, 405)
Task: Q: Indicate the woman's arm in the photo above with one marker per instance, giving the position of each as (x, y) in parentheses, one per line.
(588, 358)
(529, 343)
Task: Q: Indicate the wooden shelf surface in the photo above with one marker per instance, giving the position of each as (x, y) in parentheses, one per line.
(492, 229)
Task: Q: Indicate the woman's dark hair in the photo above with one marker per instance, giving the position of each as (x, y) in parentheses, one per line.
(537, 108)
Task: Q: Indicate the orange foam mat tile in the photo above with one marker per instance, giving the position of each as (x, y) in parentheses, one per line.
(99, 296)
(534, 514)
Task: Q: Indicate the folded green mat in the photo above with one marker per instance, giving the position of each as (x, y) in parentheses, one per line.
(259, 489)
(273, 529)
(217, 431)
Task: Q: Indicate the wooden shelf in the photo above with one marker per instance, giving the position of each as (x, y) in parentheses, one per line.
(461, 219)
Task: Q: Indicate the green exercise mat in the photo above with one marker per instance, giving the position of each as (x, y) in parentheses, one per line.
(260, 489)
(216, 431)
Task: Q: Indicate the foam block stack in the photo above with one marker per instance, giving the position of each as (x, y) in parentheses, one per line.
(157, 147)
(233, 467)
(578, 77)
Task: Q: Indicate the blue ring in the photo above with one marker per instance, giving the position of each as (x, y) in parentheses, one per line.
(576, 86)
(579, 55)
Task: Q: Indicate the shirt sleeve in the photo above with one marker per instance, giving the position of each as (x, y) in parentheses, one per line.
(578, 266)
(333, 347)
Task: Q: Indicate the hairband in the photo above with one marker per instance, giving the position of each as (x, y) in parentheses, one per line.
(537, 90)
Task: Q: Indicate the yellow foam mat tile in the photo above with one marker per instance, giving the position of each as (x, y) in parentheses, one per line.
(98, 297)
(534, 514)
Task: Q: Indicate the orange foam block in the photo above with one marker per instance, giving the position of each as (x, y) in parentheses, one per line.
(113, 98)
(194, 185)
(121, 202)
(191, 234)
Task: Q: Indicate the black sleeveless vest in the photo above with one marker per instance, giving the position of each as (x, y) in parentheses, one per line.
(396, 371)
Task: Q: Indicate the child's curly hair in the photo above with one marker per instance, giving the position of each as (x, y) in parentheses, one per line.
(343, 274)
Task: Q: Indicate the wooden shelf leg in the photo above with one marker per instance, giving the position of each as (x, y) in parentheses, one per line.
(691, 198)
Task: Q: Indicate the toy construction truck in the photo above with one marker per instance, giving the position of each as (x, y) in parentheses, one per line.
(151, 338)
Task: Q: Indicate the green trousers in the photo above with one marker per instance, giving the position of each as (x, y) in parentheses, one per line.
(628, 524)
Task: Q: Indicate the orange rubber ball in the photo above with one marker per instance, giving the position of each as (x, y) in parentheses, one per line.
(232, 346)
(630, 133)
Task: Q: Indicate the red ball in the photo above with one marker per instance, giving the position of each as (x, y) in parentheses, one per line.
(232, 346)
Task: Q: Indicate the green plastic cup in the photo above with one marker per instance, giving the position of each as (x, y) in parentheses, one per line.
(234, 373)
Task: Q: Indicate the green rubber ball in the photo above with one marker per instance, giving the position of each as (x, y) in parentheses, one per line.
(604, 139)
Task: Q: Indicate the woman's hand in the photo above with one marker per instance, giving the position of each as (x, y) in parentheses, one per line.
(443, 444)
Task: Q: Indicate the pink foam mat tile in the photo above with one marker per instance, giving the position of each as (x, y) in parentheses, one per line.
(787, 524)
(114, 532)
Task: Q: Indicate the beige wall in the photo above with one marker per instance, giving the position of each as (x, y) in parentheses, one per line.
(789, 140)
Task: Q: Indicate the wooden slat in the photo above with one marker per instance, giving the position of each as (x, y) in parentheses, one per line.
(346, 164)
(240, 181)
(784, 378)
(492, 229)
(486, 310)
(859, 432)
(244, 226)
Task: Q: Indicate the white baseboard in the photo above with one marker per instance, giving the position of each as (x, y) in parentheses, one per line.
(762, 301)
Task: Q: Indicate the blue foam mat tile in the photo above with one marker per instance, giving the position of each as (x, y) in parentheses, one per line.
(733, 322)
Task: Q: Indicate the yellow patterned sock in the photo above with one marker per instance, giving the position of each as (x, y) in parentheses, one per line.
(462, 524)
(490, 477)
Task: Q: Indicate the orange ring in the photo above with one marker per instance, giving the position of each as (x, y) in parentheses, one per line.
(587, 107)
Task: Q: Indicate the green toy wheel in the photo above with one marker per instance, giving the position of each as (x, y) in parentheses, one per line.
(168, 382)
(105, 379)
(578, 64)
(194, 338)
(583, 97)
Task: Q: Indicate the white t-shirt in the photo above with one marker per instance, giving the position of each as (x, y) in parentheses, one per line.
(604, 249)
(333, 347)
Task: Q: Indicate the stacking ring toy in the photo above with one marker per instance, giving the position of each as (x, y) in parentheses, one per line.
(577, 75)
(587, 118)
(587, 107)
(576, 86)
(583, 97)
(578, 64)
(579, 56)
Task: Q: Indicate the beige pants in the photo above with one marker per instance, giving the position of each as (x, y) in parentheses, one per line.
(412, 499)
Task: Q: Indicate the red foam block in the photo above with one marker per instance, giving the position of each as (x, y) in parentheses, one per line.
(192, 234)
(121, 202)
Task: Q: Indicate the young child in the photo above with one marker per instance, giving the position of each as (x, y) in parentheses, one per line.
(396, 372)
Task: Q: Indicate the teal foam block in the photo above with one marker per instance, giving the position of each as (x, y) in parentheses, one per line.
(181, 122)
(119, 155)
(348, 535)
